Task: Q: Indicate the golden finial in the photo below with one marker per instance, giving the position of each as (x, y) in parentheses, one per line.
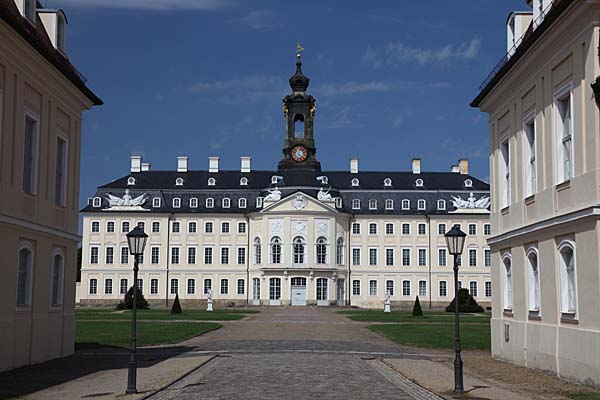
(299, 50)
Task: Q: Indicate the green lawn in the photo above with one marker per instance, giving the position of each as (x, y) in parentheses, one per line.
(585, 396)
(473, 337)
(406, 316)
(118, 333)
(161, 314)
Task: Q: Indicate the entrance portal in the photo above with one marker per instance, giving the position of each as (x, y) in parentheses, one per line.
(298, 291)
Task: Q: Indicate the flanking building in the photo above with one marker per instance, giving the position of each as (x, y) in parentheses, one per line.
(544, 159)
(295, 235)
(42, 99)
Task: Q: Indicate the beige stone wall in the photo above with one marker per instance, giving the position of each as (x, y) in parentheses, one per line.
(29, 84)
(565, 56)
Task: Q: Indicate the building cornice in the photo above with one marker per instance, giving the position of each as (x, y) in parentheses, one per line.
(38, 227)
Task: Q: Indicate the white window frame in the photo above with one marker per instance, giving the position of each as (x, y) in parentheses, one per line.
(242, 202)
(421, 204)
(373, 260)
(389, 204)
(96, 202)
(226, 202)
(30, 270)
(156, 202)
(529, 143)
(131, 181)
(194, 202)
(176, 202)
(507, 282)
(372, 204)
(441, 204)
(533, 280)
(36, 152)
(179, 182)
(443, 293)
(561, 175)
(356, 204)
(59, 285)
(405, 204)
(566, 308)
(209, 202)
(504, 170)
(62, 201)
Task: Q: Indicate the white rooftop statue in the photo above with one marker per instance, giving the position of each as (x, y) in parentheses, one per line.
(324, 195)
(274, 195)
(471, 202)
(126, 202)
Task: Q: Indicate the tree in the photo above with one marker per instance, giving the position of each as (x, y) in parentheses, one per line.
(417, 312)
(466, 303)
(127, 303)
(176, 308)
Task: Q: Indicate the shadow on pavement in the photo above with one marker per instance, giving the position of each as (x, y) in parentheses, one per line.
(87, 359)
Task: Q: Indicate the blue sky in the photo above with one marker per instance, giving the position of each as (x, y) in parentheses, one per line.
(393, 80)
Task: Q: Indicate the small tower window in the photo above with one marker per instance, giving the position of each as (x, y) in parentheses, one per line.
(355, 182)
(419, 183)
(131, 181)
(179, 182)
(387, 182)
(244, 181)
(299, 126)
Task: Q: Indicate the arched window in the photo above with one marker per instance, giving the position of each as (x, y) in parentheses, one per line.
(441, 204)
(421, 204)
(193, 202)
(507, 280)
(321, 250)
(299, 126)
(298, 250)
(58, 267)
(568, 285)
(406, 204)
(24, 277)
(389, 204)
(275, 250)
(339, 251)
(257, 251)
(211, 181)
(533, 280)
(210, 202)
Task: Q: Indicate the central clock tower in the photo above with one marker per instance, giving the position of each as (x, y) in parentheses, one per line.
(299, 151)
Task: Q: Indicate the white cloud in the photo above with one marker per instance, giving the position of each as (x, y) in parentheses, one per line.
(341, 119)
(157, 5)
(254, 84)
(352, 88)
(259, 20)
(394, 53)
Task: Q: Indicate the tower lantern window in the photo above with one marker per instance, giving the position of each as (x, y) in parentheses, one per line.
(299, 126)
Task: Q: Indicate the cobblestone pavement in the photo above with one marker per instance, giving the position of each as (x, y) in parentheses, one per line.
(296, 353)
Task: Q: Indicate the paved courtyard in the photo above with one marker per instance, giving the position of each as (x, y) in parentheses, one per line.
(298, 353)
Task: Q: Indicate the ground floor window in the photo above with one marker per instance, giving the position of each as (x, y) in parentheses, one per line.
(443, 288)
(241, 286)
(422, 288)
(473, 289)
(256, 288)
(372, 288)
(154, 286)
(93, 287)
(389, 287)
(405, 288)
(322, 289)
(488, 289)
(124, 286)
(274, 288)
(356, 287)
(224, 286)
(108, 286)
(140, 284)
(207, 285)
(191, 286)
(174, 286)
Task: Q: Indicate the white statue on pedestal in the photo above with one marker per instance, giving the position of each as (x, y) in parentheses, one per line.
(386, 302)
(274, 195)
(324, 195)
(209, 306)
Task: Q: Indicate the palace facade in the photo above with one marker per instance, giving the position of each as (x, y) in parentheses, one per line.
(296, 235)
(42, 99)
(542, 102)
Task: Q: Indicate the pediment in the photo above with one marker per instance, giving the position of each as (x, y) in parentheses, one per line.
(299, 202)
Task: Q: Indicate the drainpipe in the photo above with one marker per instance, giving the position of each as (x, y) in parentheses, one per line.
(429, 255)
(169, 219)
(349, 261)
(247, 260)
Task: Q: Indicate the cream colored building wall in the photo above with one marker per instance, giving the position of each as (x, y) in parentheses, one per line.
(566, 54)
(28, 83)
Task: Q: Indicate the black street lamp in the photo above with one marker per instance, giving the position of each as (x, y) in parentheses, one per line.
(136, 239)
(455, 240)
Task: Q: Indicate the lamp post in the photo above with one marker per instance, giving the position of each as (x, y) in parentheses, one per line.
(455, 240)
(136, 239)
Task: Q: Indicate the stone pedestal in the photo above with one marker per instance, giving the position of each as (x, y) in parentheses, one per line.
(386, 307)
(209, 306)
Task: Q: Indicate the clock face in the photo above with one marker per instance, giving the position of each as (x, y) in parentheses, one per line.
(299, 153)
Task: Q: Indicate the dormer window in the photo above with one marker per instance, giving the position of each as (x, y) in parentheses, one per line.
(242, 202)
(274, 180)
(259, 202)
(323, 179)
(355, 182)
(338, 202)
(96, 202)
(468, 183)
(179, 182)
(406, 204)
(176, 202)
(61, 32)
(131, 181)
(419, 183)
(156, 202)
(441, 204)
(193, 202)
(355, 204)
(389, 204)
(212, 181)
(29, 7)
(421, 204)
(387, 182)
(210, 202)
(226, 203)
(372, 204)
(244, 181)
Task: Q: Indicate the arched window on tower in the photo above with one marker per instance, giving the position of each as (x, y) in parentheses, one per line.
(299, 126)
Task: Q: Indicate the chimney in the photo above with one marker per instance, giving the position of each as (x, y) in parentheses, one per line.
(416, 165)
(245, 163)
(182, 164)
(136, 163)
(454, 169)
(145, 166)
(213, 164)
(463, 166)
(354, 165)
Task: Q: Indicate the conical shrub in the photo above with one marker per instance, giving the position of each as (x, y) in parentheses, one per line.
(417, 312)
(176, 308)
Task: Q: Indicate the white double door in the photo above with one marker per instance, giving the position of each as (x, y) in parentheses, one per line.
(298, 289)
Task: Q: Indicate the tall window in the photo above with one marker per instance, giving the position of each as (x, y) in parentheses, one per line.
(488, 289)
(93, 289)
(355, 287)
(356, 256)
(208, 227)
(533, 280)
(568, 286)
(95, 226)
(422, 288)
(174, 286)
(389, 256)
(373, 256)
(257, 251)
(275, 250)
(110, 255)
(192, 227)
(224, 255)
(406, 257)
(241, 255)
(256, 288)
(487, 258)
(564, 127)
(191, 255)
(389, 287)
(241, 286)
(508, 293)
(443, 288)
(108, 286)
(298, 251)
(225, 227)
(441, 229)
(322, 289)
(472, 229)
(389, 228)
(504, 174)
(487, 229)
(30, 155)
(124, 255)
(422, 257)
(405, 288)
(406, 229)
(372, 287)
(208, 255)
(422, 229)
(94, 255)
(321, 250)
(110, 227)
(472, 257)
(123, 286)
(274, 288)
(154, 286)
(473, 289)
(175, 255)
(125, 227)
(224, 286)
(58, 268)
(60, 184)
(175, 226)
(373, 228)
(442, 257)
(241, 227)
(356, 228)
(339, 251)
(529, 153)
(207, 285)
